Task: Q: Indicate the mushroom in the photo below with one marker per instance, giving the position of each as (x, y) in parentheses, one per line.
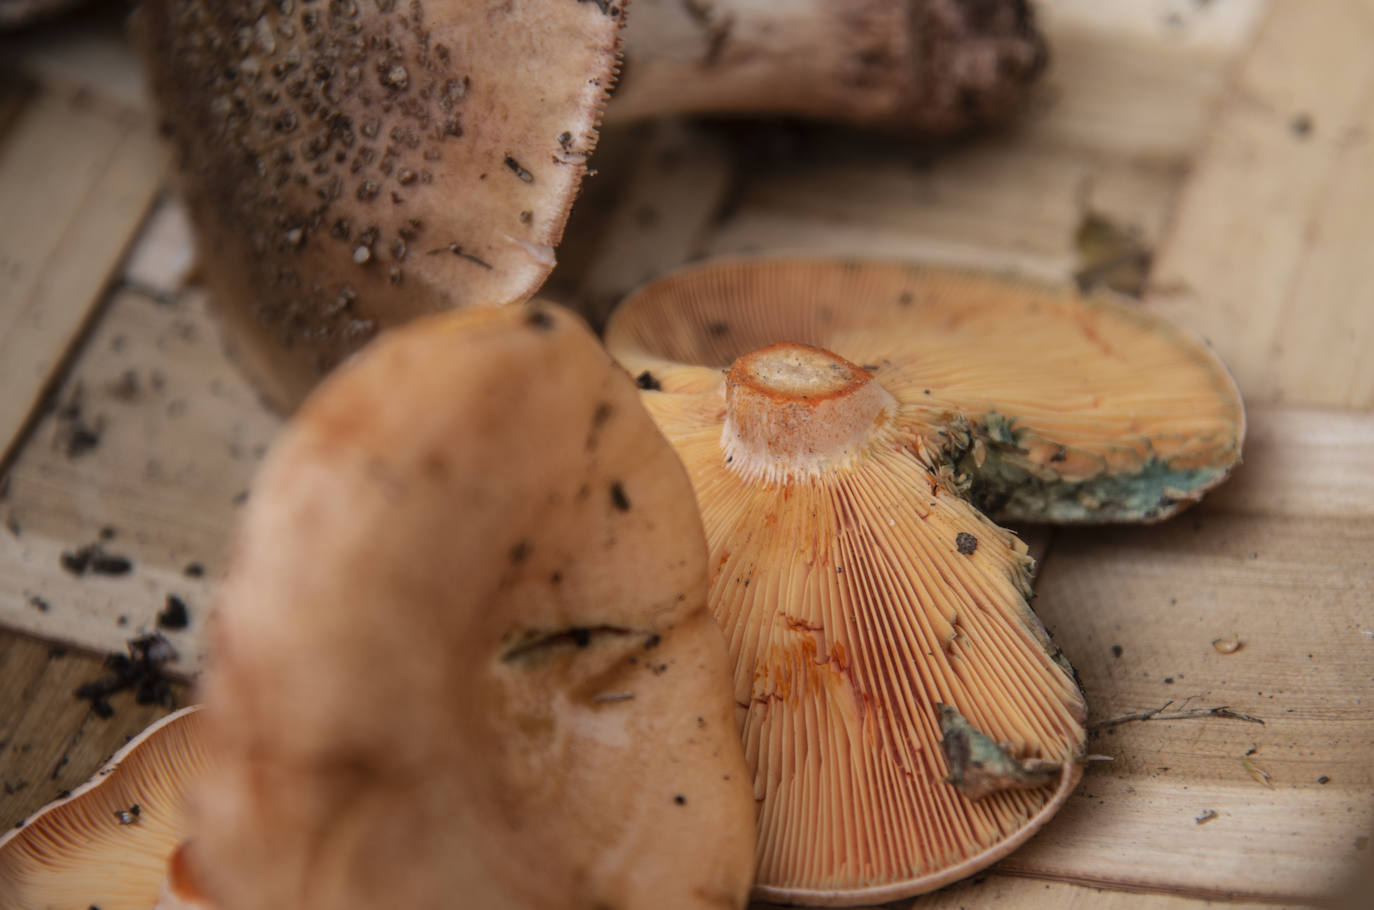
(463, 651)
(927, 66)
(354, 164)
(905, 715)
(117, 841)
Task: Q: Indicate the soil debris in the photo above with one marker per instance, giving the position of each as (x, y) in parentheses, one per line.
(95, 559)
(141, 670)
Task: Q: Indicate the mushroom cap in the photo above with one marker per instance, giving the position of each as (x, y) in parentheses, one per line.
(77, 852)
(1048, 405)
(463, 648)
(354, 164)
(906, 717)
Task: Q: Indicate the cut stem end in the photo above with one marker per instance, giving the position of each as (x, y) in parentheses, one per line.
(792, 409)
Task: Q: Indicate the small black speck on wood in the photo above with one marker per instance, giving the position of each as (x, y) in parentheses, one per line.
(966, 543)
(174, 615)
(648, 383)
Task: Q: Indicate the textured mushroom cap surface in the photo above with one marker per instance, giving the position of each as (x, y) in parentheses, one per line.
(906, 717)
(354, 164)
(78, 852)
(463, 652)
(1053, 406)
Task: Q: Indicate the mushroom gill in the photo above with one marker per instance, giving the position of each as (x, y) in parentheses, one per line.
(109, 843)
(1044, 405)
(906, 717)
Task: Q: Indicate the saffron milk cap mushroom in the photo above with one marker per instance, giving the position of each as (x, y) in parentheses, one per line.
(116, 842)
(463, 652)
(354, 164)
(906, 717)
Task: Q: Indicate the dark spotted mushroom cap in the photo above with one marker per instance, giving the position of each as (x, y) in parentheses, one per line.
(463, 652)
(906, 718)
(112, 842)
(351, 164)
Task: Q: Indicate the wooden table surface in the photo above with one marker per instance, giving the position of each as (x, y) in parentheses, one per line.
(1221, 156)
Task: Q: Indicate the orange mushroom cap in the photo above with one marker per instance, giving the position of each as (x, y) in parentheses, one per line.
(113, 842)
(907, 718)
(463, 651)
(354, 164)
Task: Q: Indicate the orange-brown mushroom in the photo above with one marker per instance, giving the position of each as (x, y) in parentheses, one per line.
(905, 715)
(463, 651)
(111, 843)
(354, 164)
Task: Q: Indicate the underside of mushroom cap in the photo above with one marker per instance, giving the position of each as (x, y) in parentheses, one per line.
(1043, 405)
(463, 650)
(353, 164)
(858, 594)
(906, 717)
(108, 844)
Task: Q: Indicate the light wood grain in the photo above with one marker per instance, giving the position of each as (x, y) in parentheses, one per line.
(1282, 563)
(76, 178)
(1262, 259)
(180, 434)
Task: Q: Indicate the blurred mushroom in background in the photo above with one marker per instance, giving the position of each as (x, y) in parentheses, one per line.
(931, 67)
(463, 651)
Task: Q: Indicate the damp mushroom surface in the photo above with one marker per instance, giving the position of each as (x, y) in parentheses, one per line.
(352, 165)
(846, 426)
(463, 651)
(114, 843)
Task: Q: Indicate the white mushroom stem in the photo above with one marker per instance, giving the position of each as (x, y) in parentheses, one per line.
(906, 65)
(792, 410)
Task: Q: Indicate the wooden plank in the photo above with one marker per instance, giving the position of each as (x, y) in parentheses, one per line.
(173, 435)
(1264, 259)
(1280, 561)
(1137, 81)
(1127, 103)
(50, 741)
(999, 204)
(76, 179)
